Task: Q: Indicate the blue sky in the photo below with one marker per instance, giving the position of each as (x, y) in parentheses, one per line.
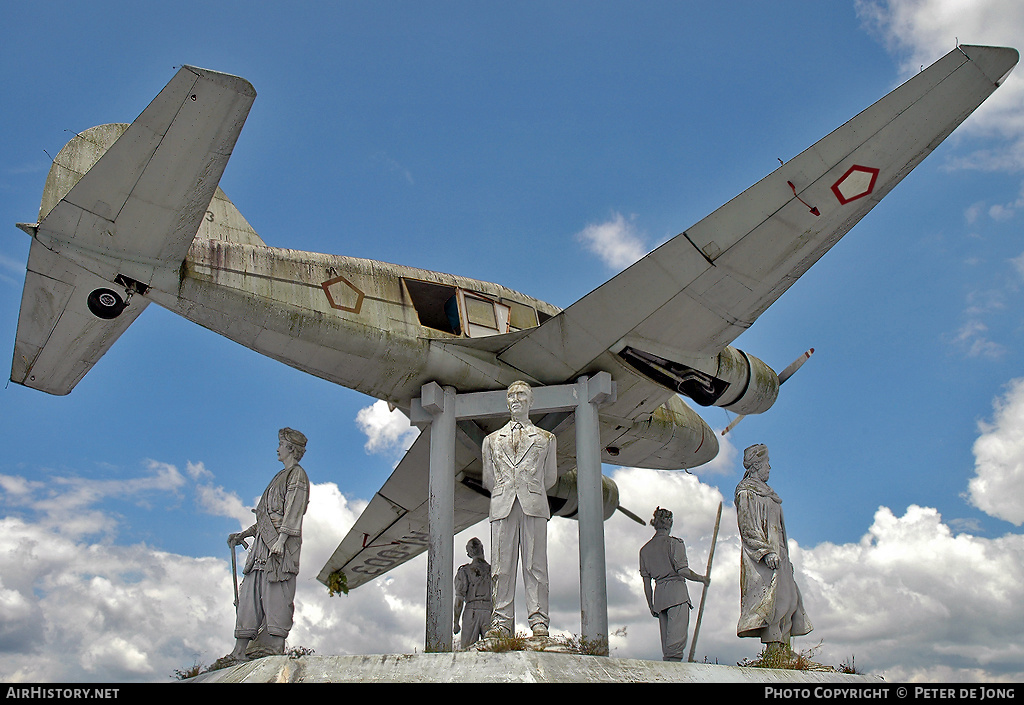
(488, 141)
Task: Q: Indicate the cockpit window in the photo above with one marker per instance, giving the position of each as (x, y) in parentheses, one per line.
(480, 312)
(435, 304)
(460, 312)
(521, 316)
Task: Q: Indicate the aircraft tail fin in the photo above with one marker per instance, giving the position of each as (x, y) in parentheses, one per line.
(74, 160)
(121, 206)
(224, 222)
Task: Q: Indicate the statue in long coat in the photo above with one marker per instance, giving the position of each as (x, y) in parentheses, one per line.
(770, 603)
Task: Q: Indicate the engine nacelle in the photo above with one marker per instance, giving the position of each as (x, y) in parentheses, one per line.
(753, 385)
(564, 499)
(733, 380)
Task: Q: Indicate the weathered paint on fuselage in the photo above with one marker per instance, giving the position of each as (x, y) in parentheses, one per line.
(274, 301)
(352, 321)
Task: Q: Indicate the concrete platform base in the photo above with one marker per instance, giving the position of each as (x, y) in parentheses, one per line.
(511, 667)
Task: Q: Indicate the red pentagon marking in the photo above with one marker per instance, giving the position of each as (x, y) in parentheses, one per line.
(857, 182)
(343, 294)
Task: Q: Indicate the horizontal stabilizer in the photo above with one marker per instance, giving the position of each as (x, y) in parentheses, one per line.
(59, 339)
(139, 207)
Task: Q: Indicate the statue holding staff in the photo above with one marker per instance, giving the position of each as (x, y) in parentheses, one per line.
(266, 598)
(663, 562)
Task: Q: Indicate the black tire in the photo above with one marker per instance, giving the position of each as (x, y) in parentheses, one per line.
(105, 304)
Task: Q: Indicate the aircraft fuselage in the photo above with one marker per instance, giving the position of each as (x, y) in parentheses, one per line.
(381, 329)
(359, 323)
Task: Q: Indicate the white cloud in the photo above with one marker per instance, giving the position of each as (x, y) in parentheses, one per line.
(219, 502)
(972, 339)
(387, 430)
(973, 212)
(135, 613)
(16, 267)
(915, 601)
(615, 241)
(725, 463)
(197, 471)
(911, 600)
(385, 616)
(73, 610)
(391, 165)
(99, 612)
(67, 504)
(998, 485)
(920, 31)
(1007, 211)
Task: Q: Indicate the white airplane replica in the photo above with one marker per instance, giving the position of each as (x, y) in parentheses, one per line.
(132, 214)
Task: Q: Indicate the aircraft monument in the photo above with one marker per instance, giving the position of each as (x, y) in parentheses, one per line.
(132, 214)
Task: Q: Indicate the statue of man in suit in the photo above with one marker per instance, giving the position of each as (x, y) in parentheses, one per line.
(519, 468)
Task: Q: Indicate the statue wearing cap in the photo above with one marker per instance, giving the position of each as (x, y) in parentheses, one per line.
(266, 598)
(663, 562)
(771, 607)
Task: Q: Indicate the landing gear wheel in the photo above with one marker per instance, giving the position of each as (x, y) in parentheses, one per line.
(105, 304)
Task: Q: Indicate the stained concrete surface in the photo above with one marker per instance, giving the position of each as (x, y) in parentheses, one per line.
(510, 667)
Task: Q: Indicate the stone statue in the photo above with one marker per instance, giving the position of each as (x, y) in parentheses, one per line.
(663, 560)
(770, 604)
(519, 468)
(266, 599)
(473, 591)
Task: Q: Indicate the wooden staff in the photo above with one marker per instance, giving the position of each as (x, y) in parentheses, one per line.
(234, 570)
(234, 574)
(704, 591)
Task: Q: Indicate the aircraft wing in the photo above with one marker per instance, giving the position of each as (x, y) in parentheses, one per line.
(393, 527)
(696, 293)
(137, 210)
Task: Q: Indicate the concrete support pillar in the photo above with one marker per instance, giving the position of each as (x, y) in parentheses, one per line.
(441, 409)
(593, 582)
(440, 404)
